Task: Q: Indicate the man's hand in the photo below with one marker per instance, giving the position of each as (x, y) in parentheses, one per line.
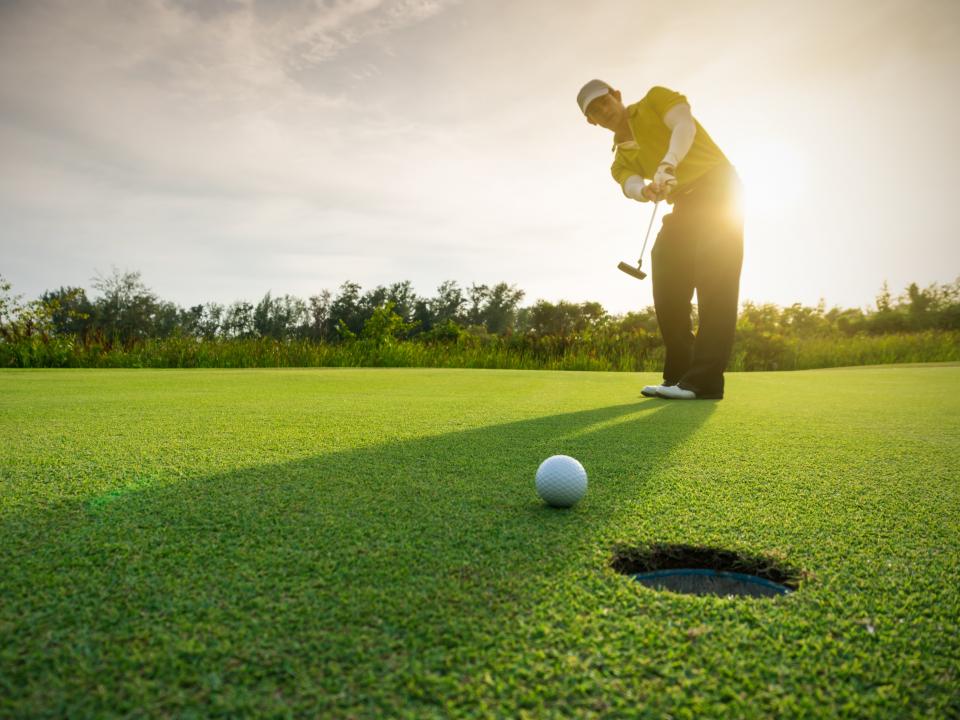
(664, 181)
(636, 189)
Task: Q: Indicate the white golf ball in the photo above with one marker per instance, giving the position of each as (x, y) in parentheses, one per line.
(561, 481)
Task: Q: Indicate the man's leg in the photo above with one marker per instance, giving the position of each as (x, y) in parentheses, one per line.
(673, 283)
(719, 258)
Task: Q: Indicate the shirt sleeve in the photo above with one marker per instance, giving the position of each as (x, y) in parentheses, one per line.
(661, 99)
(683, 130)
(621, 172)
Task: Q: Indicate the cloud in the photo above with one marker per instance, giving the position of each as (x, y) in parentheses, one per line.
(180, 123)
(300, 33)
(204, 91)
(439, 137)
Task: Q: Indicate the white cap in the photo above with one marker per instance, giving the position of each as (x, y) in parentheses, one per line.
(590, 92)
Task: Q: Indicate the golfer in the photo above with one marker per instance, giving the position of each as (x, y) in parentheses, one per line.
(699, 247)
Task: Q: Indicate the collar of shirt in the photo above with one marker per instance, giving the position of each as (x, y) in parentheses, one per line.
(630, 144)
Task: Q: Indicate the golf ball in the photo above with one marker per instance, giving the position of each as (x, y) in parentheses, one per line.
(561, 481)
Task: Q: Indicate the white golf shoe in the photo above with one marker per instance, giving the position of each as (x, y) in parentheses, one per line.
(651, 390)
(675, 392)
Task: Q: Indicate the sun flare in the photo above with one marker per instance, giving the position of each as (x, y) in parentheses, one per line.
(774, 174)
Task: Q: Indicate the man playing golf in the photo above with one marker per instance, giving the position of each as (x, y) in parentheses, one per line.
(699, 247)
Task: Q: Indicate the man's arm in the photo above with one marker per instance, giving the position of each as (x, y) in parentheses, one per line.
(683, 130)
(633, 186)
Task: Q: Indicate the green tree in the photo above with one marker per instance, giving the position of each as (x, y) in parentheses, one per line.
(346, 311)
(848, 321)
(38, 319)
(279, 317)
(73, 311)
(404, 299)
(645, 320)
(448, 304)
(564, 318)
(500, 311)
(887, 318)
(238, 321)
(208, 320)
(477, 298)
(126, 308)
(167, 319)
(318, 315)
(384, 326)
(807, 321)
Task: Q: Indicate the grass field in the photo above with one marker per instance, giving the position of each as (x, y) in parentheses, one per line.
(368, 543)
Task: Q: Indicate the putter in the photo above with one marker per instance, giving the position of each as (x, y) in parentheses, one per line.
(636, 271)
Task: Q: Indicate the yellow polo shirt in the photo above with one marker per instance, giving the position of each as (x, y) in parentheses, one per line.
(651, 140)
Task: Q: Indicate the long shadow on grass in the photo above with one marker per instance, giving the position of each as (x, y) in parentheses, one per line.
(337, 582)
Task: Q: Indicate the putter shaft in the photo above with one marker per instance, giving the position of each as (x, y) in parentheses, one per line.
(646, 238)
(636, 271)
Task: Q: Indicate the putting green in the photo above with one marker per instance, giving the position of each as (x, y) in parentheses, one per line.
(368, 543)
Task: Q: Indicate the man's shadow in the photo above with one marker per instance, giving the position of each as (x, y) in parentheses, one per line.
(404, 552)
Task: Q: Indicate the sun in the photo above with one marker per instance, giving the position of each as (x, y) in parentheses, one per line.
(774, 175)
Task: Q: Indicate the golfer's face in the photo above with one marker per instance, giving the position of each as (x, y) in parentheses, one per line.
(605, 111)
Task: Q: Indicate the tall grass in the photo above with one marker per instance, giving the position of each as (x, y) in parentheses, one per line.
(629, 353)
(842, 351)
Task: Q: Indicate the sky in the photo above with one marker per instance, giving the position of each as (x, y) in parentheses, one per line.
(226, 148)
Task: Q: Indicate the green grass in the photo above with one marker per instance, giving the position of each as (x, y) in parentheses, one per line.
(368, 543)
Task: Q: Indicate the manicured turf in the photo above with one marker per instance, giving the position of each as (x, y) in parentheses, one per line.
(368, 543)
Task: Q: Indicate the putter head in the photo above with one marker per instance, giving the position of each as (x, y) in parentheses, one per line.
(632, 271)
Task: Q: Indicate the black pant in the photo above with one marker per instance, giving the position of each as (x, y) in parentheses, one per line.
(700, 247)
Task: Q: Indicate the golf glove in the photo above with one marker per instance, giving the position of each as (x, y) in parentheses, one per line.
(665, 180)
(634, 188)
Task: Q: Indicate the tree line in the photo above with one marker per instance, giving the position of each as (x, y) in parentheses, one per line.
(124, 311)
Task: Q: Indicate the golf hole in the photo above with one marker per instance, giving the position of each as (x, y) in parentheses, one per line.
(692, 570)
